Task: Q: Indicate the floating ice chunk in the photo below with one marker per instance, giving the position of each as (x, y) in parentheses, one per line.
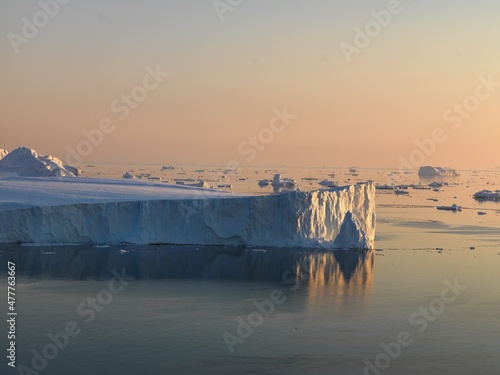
(167, 167)
(328, 183)
(437, 184)
(201, 184)
(401, 192)
(278, 181)
(128, 175)
(75, 170)
(385, 187)
(419, 187)
(453, 207)
(487, 195)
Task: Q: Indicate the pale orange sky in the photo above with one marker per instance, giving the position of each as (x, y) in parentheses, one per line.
(228, 76)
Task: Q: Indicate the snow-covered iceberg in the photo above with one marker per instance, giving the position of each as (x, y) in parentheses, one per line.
(27, 162)
(87, 210)
(428, 171)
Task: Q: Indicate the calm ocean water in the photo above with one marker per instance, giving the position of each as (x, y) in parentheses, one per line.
(427, 301)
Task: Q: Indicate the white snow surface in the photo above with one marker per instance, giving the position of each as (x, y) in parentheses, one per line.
(3, 153)
(106, 211)
(27, 162)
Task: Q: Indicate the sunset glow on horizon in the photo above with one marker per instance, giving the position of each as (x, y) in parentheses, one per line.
(295, 83)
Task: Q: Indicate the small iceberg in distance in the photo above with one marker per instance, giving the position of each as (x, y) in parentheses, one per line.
(278, 181)
(487, 195)
(26, 162)
(328, 183)
(453, 207)
(428, 171)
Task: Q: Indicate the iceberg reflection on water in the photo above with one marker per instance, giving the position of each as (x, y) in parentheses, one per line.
(187, 262)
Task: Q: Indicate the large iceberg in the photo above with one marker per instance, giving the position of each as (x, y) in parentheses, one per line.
(428, 171)
(88, 210)
(27, 162)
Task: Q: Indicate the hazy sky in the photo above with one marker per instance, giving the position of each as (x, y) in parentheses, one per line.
(233, 67)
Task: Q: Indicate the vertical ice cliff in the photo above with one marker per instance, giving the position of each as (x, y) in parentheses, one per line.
(342, 217)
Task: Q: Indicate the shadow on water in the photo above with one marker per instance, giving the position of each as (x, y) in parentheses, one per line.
(187, 262)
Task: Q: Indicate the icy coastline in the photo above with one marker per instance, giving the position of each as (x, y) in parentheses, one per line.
(85, 210)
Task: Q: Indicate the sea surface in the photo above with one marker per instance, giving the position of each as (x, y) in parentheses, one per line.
(425, 301)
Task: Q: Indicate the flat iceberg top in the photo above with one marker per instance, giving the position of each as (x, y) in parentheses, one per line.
(24, 192)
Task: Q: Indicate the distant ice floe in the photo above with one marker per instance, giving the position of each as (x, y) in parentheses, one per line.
(487, 195)
(200, 184)
(278, 182)
(328, 183)
(385, 187)
(128, 175)
(437, 184)
(26, 162)
(428, 171)
(167, 167)
(75, 170)
(141, 175)
(453, 207)
(401, 192)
